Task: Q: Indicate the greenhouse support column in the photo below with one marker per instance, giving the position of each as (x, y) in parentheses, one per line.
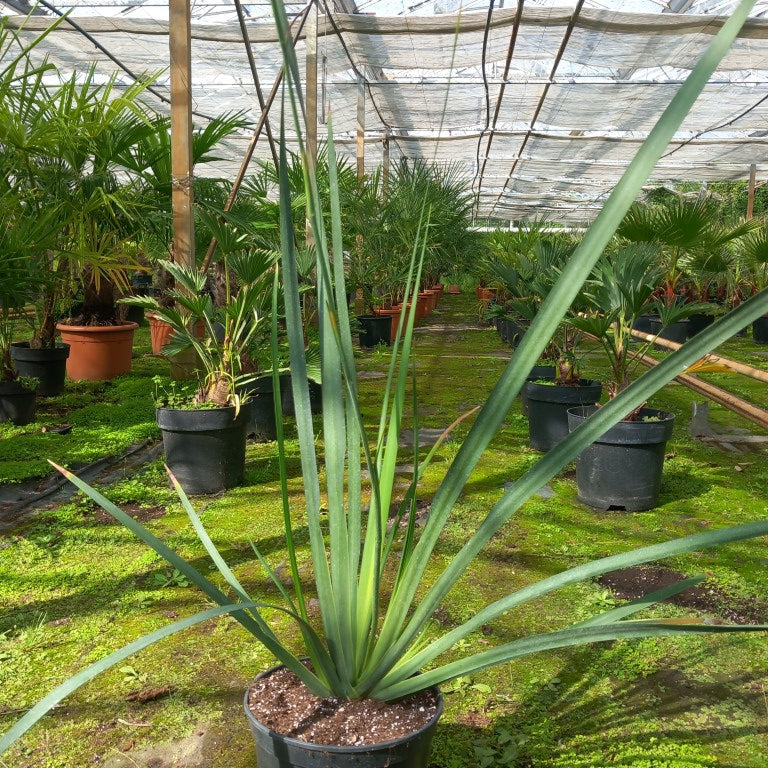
(310, 104)
(360, 127)
(182, 193)
(385, 166)
(751, 192)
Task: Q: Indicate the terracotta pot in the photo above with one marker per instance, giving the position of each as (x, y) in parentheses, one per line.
(454, 289)
(432, 297)
(99, 352)
(422, 306)
(160, 333)
(394, 314)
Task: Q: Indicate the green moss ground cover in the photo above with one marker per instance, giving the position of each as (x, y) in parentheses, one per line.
(106, 419)
(73, 586)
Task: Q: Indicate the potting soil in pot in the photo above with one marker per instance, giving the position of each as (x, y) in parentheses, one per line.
(282, 703)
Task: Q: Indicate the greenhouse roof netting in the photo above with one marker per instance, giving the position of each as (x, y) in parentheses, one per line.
(542, 105)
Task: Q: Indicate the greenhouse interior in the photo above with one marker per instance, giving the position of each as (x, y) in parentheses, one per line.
(383, 384)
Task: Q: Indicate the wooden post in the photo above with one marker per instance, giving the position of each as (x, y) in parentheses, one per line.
(310, 104)
(360, 128)
(182, 191)
(385, 166)
(751, 192)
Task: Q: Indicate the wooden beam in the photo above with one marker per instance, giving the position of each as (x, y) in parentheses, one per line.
(360, 147)
(182, 191)
(385, 166)
(751, 191)
(310, 98)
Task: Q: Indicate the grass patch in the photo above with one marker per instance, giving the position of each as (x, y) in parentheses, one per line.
(74, 588)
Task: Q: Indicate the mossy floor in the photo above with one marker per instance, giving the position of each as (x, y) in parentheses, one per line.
(75, 586)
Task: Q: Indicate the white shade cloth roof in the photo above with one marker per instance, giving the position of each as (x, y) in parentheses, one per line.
(547, 136)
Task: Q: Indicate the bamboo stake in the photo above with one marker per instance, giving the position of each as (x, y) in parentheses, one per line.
(716, 394)
(734, 365)
(256, 81)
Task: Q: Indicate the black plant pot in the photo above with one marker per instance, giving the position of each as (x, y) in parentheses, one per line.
(374, 330)
(204, 448)
(17, 404)
(276, 751)
(548, 406)
(622, 469)
(547, 372)
(48, 365)
(260, 407)
(698, 322)
(643, 324)
(677, 331)
(510, 332)
(286, 395)
(760, 330)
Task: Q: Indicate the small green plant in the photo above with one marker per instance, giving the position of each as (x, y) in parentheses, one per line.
(503, 748)
(28, 382)
(171, 578)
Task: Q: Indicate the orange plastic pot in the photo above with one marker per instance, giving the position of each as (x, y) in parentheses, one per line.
(99, 352)
(422, 306)
(160, 333)
(432, 299)
(454, 289)
(394, 314)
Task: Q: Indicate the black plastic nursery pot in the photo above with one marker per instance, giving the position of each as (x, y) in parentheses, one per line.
(548, 406)
(623, 468)
(276, 751)
(760, 330)
(510, 331)
(374, 330)
(537, 372)
(17, 404)
(204, 448)
(698, 322)
(677, 331)
(286, 395)
(643, 324)
(48, 365)
(260, 407)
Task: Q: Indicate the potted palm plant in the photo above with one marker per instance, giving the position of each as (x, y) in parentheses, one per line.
(371, 642)
(623, 469)
(754, 254)
(20, 246)
(554, 384)
(681, 228)
(204, 430)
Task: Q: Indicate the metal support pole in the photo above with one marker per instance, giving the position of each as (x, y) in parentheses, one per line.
(182, 190)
